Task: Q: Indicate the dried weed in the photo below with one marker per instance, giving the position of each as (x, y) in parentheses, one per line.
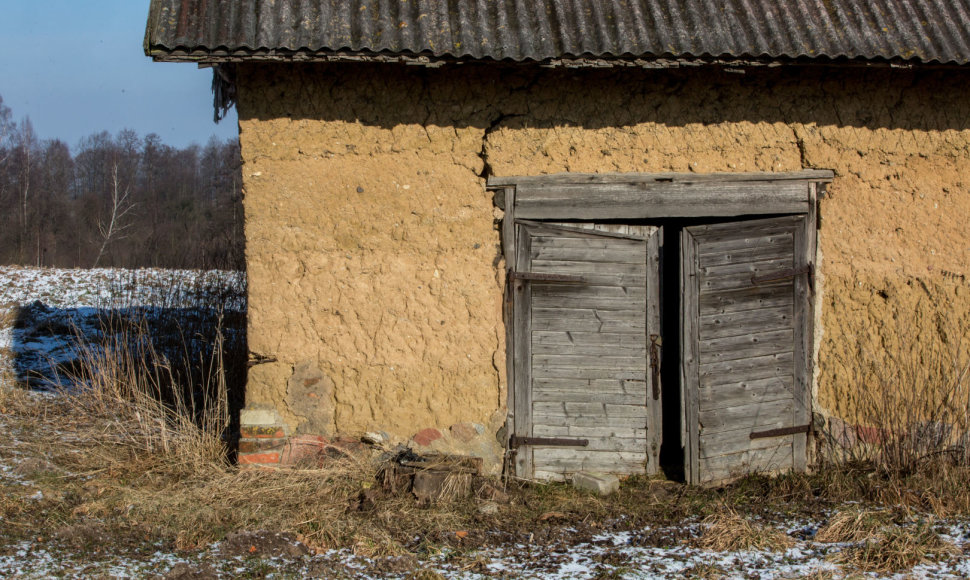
(909, 408)
(728, 531)
(896, 548)
(853, 525)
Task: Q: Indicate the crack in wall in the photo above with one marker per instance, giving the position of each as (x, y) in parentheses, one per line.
(483, 154)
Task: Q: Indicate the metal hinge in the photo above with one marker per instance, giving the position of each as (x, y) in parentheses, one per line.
(781, 432)
(655, 343)
(517, 441)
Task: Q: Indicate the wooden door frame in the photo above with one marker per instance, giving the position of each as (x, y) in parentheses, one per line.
(646, 196)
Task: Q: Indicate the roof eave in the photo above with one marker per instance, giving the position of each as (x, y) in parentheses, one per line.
(218, 56)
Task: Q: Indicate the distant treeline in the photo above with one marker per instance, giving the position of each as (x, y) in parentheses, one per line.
(120, 200)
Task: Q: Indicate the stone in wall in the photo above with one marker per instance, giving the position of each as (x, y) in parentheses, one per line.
(309, 394)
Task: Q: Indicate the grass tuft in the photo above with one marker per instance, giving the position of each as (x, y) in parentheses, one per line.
(728, 531)
(896, 548)
(853, 525)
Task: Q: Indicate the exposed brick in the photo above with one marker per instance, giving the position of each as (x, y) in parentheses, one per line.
(304, 449)
(262, 432)
(258, 459)
(258, 445)
(426, 436)
(871, 435)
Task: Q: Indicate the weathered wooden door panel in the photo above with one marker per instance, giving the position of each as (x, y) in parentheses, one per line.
(744, 362)
(582, 368)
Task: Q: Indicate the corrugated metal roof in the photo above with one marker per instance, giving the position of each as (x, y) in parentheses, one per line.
(910, 30)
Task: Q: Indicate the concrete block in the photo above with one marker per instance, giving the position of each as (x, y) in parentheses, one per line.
(259, 416)
(598, 483)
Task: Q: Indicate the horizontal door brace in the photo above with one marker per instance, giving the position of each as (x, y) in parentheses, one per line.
(517, 441)
(781, 432)
(544, 277)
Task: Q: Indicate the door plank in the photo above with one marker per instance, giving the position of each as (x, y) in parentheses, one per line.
(632, 255)
(775, 459)
(543, 300)
(750, 345)
(554, 420)
(756, 417)
(753, 298)
(738, 323)
(522, 352)
(577, 267)
(756, 267)
(747, 392)
(745, 255)
(735, 371)
(572, 431)
(738, 441)
(606, 386)
(594, 339)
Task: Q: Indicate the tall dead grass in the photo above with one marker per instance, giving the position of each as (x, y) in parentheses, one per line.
(166, 366)
(152, 405)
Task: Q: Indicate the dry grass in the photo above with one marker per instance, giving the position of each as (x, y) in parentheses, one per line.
(896, 548)
(818, 575)
(13, 398)
(102, 470)
(138, 446)
(705, 571)
(853, 525)
(880, 545)
(123, 381)
(728, 531)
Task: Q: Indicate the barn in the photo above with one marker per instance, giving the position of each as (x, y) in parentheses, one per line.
(624, 236)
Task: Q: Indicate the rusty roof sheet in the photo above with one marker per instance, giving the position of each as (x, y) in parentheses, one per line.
(920, 31)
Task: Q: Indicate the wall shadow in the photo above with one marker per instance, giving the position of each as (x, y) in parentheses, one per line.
(527, 96)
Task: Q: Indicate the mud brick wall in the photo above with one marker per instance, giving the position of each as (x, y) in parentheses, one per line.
(375, 271)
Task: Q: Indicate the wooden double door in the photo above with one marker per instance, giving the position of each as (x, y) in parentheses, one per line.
(588, 345)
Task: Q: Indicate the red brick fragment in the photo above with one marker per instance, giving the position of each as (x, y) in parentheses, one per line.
(258, 445)
(426, 436)
(304, 449)
(871, 435)
(258, 459)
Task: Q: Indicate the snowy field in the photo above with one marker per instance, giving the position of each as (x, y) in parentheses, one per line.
(44, 308)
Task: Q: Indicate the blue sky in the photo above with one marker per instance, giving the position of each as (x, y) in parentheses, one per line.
(76, 67)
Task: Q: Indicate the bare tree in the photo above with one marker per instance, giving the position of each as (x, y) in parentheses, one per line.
(172, 207)
(6, 128)
(26, 144)
(120, 207)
